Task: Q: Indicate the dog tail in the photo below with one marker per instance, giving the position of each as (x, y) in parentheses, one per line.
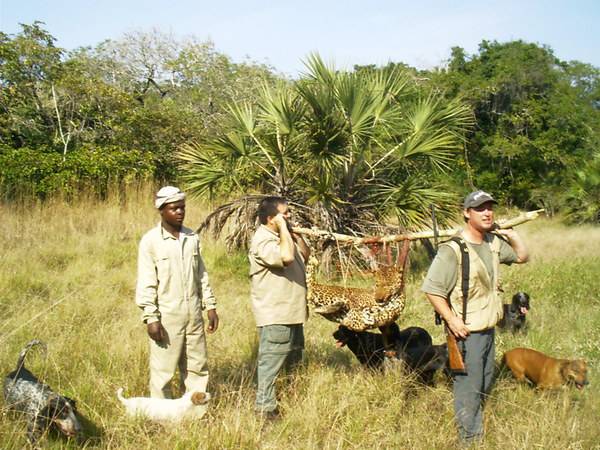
(120, 395)
(26, 349)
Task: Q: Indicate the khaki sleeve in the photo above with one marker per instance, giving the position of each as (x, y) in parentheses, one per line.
(147, 283)
(208, 298)
(268, 253)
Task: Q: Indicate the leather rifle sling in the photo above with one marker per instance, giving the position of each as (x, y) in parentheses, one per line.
(464, 262)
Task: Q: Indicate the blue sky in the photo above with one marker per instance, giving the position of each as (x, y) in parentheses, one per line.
(282, 33)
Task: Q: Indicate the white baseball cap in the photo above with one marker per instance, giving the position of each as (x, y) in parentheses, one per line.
(168, 194)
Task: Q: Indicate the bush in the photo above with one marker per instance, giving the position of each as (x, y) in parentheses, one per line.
(40, 173)
(581, 199)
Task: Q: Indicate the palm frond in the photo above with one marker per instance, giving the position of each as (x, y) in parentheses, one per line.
(319, 71)
(236, 219)
(409, 202)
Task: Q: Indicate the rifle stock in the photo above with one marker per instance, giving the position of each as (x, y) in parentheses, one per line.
(455, 358)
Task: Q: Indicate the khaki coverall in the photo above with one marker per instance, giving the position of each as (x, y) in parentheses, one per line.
(173, 287)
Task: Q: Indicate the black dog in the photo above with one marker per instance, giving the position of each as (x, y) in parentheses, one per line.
(412, 345)
(43, 408)
(425, 361)
(367, 347)
(415, 347)
(514, 314)
(411, 337)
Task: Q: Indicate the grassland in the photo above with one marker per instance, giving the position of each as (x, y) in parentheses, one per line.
(68, 276)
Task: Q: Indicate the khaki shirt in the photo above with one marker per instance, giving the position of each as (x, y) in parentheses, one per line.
(172, 280)
(278, 292)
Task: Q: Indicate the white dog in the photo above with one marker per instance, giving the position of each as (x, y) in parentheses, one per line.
(191, 405)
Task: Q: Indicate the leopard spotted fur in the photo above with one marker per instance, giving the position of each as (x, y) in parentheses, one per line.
(359, 309)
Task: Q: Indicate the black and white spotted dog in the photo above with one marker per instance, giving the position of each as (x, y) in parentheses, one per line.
(515, 312)
(42, 407)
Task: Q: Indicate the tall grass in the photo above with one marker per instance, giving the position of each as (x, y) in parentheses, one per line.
(68, 277)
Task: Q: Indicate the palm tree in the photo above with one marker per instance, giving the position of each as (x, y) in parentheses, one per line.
(351, 149)
(581, 199)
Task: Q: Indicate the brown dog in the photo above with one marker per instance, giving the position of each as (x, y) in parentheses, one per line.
(544, 371)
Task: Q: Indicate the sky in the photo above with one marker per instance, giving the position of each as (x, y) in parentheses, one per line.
(345, 32)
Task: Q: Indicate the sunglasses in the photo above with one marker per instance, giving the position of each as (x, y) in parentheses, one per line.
(484, 207)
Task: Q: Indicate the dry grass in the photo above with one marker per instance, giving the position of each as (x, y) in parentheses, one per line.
(68, 276)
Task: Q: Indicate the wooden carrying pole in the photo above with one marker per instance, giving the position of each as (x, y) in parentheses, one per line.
(426, 234)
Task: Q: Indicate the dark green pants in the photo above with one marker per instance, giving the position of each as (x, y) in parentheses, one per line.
(280, 346)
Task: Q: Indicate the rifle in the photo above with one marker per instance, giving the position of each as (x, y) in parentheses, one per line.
(455, 353)
(455, 358)
(456, 363)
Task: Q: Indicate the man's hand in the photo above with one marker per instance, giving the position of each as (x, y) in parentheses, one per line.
(454, 322)
(281, 222)
(516, 243)
(213, 321)
(156, 331)
(457, 327)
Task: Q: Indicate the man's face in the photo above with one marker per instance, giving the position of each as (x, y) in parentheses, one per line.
(284, 210)
(173, 213)
(482, 217)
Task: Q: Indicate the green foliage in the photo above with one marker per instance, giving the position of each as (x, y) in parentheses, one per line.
(28, 63)
(582, 198)
(145, 94)
(537, 118)
(41, 173)
(352, 146)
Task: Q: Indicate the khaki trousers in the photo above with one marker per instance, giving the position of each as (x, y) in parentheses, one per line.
(184, 347)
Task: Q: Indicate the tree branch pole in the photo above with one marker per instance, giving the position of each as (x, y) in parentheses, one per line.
(426, 234)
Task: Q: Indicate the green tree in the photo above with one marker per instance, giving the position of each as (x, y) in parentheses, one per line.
(144, 94)
(537, 118)
(29, 64)
(581, 199)
(355, 148)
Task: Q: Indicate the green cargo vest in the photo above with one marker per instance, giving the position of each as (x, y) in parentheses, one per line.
(484, 306)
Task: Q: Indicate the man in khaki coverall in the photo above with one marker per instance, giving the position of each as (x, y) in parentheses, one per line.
(172, 290)
(278, 295)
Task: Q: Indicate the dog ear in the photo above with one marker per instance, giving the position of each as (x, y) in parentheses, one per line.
(579, 366)
(571, 369)
(71, 402)
(199, 398)
(55, 405)
(565, 370)
(53, 401)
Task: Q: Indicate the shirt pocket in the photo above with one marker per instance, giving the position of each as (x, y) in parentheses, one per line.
(163, 269)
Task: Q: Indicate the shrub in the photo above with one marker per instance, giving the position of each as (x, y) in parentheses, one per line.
(40, 173)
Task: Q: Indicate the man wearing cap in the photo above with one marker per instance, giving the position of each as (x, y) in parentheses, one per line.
(443, 288)
(172, 290)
